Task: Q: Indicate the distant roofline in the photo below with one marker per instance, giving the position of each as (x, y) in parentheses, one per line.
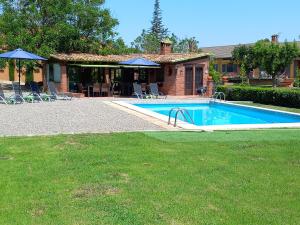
(225, 51)
(230, 45)
(220, 46)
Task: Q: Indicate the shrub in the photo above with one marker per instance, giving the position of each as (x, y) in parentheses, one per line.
(11, 67)
(274, 96)
(297, 78)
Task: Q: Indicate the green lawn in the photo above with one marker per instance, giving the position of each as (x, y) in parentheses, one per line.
(245, 177)
(295, 110)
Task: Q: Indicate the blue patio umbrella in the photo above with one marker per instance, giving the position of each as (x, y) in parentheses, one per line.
(20, 54)
(139, 62)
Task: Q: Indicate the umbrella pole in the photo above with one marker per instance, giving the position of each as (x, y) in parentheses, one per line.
(19, 76)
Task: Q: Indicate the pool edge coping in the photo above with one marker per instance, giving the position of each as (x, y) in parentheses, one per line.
(192, 127)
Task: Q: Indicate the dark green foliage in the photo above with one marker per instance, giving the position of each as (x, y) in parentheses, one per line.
(157, 27)
(11, 70)
(2, 63)
(266, 55)
(29, 73)
(149, 41)
(244, 75)
(216, 75)
(274, 96)
(185, 45)
(49, 26)
(117, 47)
(274, 57)
(297, 78)
(244, 55)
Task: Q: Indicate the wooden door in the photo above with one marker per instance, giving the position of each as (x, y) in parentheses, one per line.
(188, 90)
(198, 77)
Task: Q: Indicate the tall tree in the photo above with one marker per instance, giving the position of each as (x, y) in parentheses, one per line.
(117, 47)
(274, 57)
(244, 56)
(149, 41)
(146, 43)
(266, 55)
(216, 75)
(157, 27)
(48, 26)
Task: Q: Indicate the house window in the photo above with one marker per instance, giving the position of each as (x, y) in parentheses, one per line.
(216, 67)
(224, 68)
(287, 71)
(229, 68)
(54, 72)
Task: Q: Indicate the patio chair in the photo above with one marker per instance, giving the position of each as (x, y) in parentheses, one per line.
(202, 91)
(144, 87)
(18, 94)
(55, 94)
(96, 89)
(35, 90)
(115, 90)
(105, 89)
(137, 89)
(4, 99)
(82, 89)
(155, 92)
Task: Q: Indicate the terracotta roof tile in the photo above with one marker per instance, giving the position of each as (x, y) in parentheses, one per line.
(225, 51)
(84, 57)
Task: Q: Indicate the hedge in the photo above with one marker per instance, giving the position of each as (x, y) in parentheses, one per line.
(11, 69)
(273, 96)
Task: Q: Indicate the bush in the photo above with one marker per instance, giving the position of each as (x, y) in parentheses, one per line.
(273, 96)
(11, 67)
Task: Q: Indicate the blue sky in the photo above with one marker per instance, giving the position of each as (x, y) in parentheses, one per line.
(212, 22)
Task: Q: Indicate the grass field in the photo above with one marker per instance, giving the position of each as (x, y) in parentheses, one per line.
(294, 110)
(245, 177)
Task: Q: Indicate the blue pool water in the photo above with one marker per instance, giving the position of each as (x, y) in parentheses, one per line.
(224, 114)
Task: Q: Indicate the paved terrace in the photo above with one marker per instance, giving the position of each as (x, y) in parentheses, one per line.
(66, 117)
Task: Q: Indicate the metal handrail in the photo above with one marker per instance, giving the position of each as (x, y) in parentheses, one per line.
(183, 113)
(219, 96)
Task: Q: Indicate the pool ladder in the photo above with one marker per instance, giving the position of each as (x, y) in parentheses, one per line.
(183, 112)
(219, 96)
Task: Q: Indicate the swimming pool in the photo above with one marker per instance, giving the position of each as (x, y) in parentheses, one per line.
(219, 115)
(205, 114)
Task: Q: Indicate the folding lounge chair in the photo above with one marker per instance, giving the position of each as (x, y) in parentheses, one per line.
(4, 99)
(35, 90)
(137, 89)
(202, 91)
(55, 95)
(154, 91)
(18, 95)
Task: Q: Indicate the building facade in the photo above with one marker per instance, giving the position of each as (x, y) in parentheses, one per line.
(225, 65)
(11, 73)
(178, 74)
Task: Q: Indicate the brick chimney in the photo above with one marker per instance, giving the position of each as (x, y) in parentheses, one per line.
(166, 47)
(275, 38)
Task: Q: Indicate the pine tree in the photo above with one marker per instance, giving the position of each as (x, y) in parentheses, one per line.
(157, 27)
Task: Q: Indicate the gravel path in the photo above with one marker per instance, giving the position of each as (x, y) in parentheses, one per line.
(65, 117)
